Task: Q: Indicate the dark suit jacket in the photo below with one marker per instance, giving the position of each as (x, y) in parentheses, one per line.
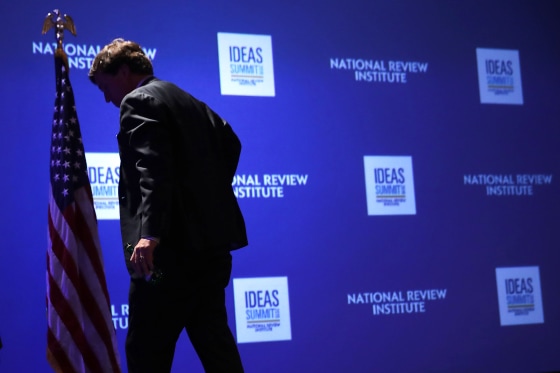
(178, 160)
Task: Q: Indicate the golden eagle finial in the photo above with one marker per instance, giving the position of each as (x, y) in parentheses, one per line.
(54, 19)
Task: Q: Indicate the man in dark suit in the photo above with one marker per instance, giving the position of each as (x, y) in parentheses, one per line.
(179, 216)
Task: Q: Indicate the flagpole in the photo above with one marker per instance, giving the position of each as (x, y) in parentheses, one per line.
(81, 337)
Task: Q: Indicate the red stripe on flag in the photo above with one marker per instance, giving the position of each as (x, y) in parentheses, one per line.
(57, 356)
(72, 323)
(78, 225)
(88, 303)
(81, 230)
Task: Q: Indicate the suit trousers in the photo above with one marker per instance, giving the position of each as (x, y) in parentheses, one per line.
(194, 301)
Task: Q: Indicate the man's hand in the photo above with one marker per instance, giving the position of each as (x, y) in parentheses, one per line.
(142, 258)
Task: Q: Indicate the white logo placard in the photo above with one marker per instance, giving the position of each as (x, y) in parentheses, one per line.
(262, 309)
(246, 66)
(519, 295)
(389, 185)
(104, 172)
(499, 76)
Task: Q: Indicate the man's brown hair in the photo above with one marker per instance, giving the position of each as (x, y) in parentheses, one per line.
(118, 53)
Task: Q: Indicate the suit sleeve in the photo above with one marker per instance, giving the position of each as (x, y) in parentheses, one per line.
(229, 142)
(144, 143)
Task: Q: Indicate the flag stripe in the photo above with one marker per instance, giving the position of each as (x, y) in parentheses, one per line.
(56, 356)
(83, 228)
(55, 320)
(81, 285)
(60, 345)
(92, 293)
(64, 310)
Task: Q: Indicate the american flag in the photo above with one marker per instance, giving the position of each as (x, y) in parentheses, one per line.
(81, 336)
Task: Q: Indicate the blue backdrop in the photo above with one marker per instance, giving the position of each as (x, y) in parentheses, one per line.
(419, 231)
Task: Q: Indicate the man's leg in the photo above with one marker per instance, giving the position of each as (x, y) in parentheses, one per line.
(154, 325)
(206, 322)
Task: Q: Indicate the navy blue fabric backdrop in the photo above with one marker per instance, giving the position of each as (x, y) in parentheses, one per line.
(398, 175)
